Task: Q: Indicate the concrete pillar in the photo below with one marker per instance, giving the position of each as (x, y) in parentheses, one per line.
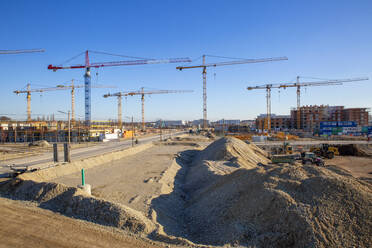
(55, 152)
(66, 148)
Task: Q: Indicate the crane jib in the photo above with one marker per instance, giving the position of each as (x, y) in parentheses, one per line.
(120, 63)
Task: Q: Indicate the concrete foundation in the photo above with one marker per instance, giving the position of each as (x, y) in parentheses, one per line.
(87, 188)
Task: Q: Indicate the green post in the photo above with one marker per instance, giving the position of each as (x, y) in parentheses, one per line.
(82, 177)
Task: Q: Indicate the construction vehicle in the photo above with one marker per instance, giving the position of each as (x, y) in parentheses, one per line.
(204, 67)
(311, 158)
(325, 151)
(283, 158)
(287, 149)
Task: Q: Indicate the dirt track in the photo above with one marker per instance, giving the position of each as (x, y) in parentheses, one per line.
(357, 166)
(24, 225)
(133, 180)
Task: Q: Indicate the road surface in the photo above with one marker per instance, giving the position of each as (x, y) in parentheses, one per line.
(79, 153)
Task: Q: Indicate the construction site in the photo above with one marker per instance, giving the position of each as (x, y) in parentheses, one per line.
(152, 173)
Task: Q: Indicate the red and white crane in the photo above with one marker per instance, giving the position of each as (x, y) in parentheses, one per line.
(88, 65)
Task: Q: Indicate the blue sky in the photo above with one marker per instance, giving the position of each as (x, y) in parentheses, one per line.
(322, 39)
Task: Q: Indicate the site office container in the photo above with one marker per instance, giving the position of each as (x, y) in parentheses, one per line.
(347, 124)
(328, 124)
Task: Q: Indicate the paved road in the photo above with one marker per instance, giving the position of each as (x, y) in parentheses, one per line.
(79, 153)
(312, 142)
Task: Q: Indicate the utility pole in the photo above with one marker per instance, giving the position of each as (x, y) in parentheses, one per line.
(120, 124)
(132, 132)
(161, 131)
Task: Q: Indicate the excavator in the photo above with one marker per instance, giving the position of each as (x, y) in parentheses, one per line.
(326, 151)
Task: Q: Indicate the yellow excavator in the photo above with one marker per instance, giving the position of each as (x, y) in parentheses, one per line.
(326, 151)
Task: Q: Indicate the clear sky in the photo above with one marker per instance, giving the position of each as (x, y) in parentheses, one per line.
(322, 39)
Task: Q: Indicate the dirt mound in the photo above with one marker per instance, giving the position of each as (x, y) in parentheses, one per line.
(281, 206)
(233, 149)
(222, 157)
(73, 202)
(41, 143)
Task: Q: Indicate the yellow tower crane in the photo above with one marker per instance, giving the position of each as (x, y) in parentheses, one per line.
(28, 92)
(141, 92)
(298, 85)
(236, 62)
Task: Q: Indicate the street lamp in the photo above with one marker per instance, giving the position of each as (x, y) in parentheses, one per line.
(69, 125)
(132, 129)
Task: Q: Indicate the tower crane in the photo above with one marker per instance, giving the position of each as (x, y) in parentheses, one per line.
(72, 86)
(141, 92)
(22, 51)
(28, 91)
(88, 65)
(298, 85)
(204, 67)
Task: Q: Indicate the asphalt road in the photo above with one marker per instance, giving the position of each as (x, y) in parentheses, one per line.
(79, 153)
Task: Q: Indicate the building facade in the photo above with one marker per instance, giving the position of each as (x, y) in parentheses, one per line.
(311, 116)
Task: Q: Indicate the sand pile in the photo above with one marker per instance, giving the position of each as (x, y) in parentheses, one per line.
(281, 206)
(220, 158)
(73, 202)
(234, 150)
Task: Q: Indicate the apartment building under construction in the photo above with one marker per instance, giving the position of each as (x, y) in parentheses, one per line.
(312, 115)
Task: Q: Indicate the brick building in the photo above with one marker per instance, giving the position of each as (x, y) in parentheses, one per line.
(311, 116)
(278, 122)
(359, 115)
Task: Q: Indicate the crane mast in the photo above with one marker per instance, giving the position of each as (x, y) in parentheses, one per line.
(204, 67)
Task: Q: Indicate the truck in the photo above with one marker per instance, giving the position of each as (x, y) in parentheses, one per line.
(284, 158)
(311, 158)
